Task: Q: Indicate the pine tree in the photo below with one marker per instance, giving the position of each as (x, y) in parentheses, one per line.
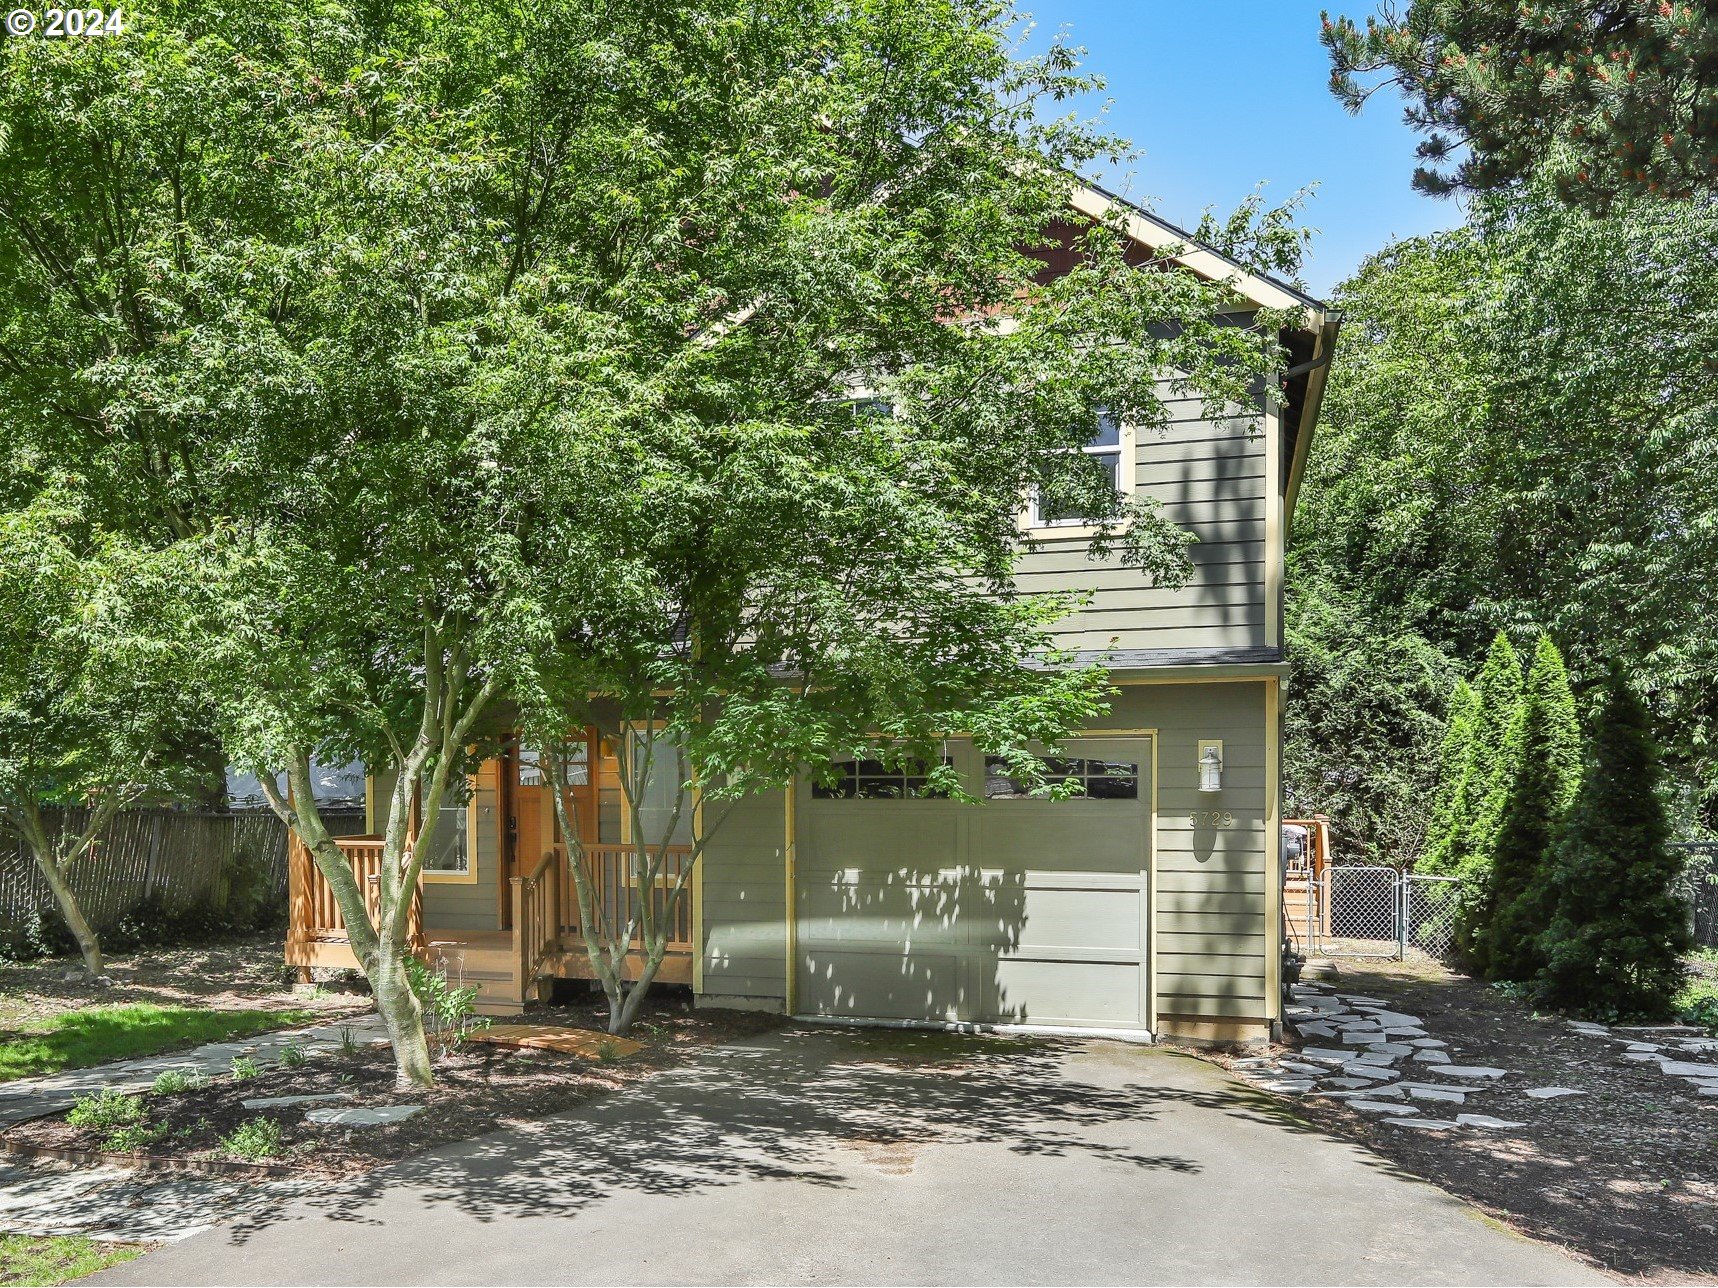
(1620, 928)
(1490, 773)
(1544, 747)
(1455, 762)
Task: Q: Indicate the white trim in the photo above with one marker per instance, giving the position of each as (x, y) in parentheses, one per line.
(1156, 235)
(1275, 550)
(1126, 452)
(1142, 1036)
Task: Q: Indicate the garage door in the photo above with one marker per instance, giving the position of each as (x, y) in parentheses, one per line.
(1014, 910)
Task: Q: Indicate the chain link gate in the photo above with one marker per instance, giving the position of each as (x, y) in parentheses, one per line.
(1353, 910)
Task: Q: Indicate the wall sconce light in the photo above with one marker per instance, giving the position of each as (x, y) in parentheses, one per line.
(1210, 764)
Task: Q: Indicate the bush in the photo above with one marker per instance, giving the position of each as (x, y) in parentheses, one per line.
(134, 1138)
(106, 1108)
(253, 1140)
(170, 1082)
(1698, 1004)
(1616, 942)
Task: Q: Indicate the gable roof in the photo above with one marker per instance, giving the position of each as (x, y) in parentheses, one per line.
(1150, 231)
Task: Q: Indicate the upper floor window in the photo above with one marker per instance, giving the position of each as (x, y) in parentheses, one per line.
(1105, 448)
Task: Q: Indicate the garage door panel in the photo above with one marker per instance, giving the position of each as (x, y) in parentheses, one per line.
(1081, 994)
(1067, 918)
(1012, 833)
(887, 984)
(871, 836)
(881, 907)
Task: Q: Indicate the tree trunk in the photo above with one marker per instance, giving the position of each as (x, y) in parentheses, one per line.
(403, 1016)
(622, 1018)
(88, 944)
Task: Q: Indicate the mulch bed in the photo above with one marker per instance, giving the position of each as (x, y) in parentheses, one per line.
(1625, 1175)
(479, 1088)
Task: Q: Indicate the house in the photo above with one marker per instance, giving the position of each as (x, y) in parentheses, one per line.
(1150, 904)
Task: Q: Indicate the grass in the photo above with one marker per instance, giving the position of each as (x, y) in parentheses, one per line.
(27, 1259)
(97, 1034)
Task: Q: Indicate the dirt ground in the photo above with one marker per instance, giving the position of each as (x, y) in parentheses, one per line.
(480, 1088)
(1625, 1174)
(237, 974)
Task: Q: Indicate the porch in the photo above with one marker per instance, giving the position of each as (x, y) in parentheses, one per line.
(541, 939)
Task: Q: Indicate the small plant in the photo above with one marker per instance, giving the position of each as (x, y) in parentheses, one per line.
(608, 1049)
(106, 1109)
(293, 1057)
(253, 1140)
(133, 1138)
(170, 1082)
(451, 1009)
(245, 1068)
(348, 1041)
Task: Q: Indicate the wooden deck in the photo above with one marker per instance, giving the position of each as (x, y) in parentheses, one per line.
(509, 968)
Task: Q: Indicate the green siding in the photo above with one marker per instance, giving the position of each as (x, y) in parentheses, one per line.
(1210, 478)
(745, 900)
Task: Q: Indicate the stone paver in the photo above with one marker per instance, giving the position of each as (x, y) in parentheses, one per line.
(281, 1102)
(379, 1116)
(1552, 1093)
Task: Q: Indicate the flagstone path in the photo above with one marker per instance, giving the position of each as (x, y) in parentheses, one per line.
(1375, 1041)
(110, 1202)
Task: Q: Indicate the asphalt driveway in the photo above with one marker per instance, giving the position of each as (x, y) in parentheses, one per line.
(832, 1156)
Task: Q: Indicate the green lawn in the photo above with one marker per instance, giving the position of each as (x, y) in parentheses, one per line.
(98, 1034)
(26, 1259)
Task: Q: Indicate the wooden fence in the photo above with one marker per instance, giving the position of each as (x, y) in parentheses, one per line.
(174, 860)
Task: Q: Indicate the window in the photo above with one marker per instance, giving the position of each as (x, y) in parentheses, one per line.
(1105, 448)
(450, 857)
(1112, 780)
(873, 780)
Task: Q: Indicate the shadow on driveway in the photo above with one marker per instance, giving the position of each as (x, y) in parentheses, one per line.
(885, 1156)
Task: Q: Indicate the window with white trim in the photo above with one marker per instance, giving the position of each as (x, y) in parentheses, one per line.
(1105, 447)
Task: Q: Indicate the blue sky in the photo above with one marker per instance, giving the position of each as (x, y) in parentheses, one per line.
(1221, 94)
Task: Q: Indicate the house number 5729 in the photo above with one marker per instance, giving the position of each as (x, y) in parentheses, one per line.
(1211, 818)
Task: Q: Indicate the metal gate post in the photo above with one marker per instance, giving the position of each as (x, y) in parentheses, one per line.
(1402, 916)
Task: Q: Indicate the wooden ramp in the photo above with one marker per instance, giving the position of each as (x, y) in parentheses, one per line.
(557, 1037)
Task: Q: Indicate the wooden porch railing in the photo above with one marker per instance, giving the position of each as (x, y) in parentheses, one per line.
(315, 914)
(610, 869)
(537, 917)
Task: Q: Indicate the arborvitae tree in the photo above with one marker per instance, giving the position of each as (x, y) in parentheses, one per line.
(1620, 929)
(1491, 770)
(1544, 746)
(1455, 764)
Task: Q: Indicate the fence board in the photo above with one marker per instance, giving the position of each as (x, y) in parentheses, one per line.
(183, 858)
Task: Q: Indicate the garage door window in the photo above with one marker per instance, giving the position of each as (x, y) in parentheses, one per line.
(1090, 779)
(873, 780)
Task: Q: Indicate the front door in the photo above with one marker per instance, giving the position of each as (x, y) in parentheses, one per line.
(533, 825)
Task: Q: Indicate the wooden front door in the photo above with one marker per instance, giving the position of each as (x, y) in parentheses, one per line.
(533, 825)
